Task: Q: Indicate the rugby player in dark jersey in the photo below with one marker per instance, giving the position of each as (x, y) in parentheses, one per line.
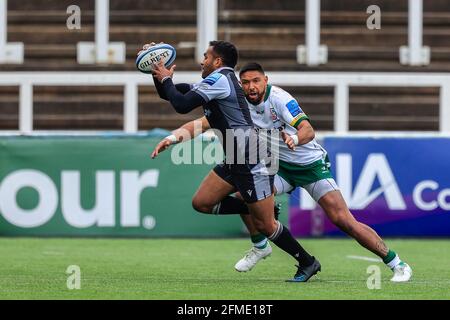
(226, 111)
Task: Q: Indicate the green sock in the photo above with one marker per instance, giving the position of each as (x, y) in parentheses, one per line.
(390, 256)
(392, 259)
(259, 241)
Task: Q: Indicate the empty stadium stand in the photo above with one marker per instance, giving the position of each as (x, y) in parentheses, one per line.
(265, 31)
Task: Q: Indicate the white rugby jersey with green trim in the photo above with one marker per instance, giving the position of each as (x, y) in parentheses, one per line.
(280, 109)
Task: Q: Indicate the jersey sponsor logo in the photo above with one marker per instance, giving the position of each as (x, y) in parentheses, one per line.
(294, 108)
(274, 115)
(212, 79)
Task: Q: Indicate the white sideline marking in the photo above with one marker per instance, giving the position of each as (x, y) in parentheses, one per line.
(365, 258)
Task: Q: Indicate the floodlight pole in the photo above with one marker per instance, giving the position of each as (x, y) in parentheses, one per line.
(9, 52)
(206, 26)
(312, 53)
(101, 30)
(3, 28)
(415, 54)
(101, 51)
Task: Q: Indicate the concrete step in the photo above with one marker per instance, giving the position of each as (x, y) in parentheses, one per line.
(40, 5)
(339, 35)
(234, 18)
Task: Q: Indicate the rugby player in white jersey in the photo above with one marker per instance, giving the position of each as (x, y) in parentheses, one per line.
(304, 163)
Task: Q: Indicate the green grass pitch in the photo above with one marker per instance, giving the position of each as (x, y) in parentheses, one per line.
(32, 268)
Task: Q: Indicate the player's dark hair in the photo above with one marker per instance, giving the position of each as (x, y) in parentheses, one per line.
(251, 66)
(227, 51)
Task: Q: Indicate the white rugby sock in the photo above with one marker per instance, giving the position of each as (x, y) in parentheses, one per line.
(394, 262)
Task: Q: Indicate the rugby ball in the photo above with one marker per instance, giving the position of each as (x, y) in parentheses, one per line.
(146, 61)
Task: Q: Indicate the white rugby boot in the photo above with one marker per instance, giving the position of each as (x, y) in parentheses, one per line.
(252, 257)
(402, 272)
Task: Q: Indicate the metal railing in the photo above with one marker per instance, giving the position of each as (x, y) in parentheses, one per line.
(131, 80)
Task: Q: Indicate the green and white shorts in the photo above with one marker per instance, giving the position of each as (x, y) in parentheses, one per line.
(315, 178)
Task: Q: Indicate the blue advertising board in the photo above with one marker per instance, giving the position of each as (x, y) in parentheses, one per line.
(398, 186)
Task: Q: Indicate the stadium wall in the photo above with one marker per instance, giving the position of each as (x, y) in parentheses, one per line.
(107, 185)
(398, 185)
(101, 186)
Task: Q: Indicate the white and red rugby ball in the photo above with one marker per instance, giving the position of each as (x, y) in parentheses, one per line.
(147, 59)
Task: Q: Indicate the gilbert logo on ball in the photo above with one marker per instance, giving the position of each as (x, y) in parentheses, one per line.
(146, 61)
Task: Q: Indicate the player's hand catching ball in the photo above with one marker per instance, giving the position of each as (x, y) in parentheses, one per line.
(146, 46)
(161, 73)
(288, 140)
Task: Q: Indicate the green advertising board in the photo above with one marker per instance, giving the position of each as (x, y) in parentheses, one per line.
(104, 186)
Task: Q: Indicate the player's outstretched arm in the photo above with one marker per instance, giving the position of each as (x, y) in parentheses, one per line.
(182, 102)
(191, 129)
(184, 133)
(305, 134)
(181, 87)
(161, 146)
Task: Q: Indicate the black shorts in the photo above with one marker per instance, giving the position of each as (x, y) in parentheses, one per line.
(251, 184)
